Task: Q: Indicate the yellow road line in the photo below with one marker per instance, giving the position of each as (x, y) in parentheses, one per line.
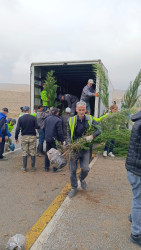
(38, 227)
(45, 218)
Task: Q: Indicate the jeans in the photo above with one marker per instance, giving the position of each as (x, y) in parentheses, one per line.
(2, 148)
(87, 105)
(84, 157)
(135, 182)
(49, 145)
(41, 136)
(109, 146)
(45, 108)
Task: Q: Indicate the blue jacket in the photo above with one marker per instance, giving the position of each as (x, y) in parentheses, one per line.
(53, 129)
(3, 126)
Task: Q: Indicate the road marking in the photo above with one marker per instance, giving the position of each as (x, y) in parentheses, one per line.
(11, 151)
(32, 236)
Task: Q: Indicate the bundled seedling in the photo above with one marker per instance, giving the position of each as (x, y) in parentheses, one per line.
(51, 88)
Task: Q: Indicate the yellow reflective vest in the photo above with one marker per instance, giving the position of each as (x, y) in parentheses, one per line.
(72, 123)
(44, 98)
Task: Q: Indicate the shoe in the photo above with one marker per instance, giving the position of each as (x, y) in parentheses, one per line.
(55, 170)
(105, 153)
(3, 158)
(83, 184)
(111, 154)
(130, 218)
(73, 192)
(47, 169)
(136, 239)
(33, 169)
(24, 170)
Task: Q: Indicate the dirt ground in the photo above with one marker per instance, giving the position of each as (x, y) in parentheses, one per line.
(24, 197)
(96, 218)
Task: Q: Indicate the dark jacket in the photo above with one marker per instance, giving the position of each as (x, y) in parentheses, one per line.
(41, 116)
(27, 124)
(65, 118)
(81, 127)
(133, 160)
(70, 99)
(87, 93)
(53, 129)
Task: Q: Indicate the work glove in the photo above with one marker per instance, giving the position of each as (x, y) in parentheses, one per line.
(96, 95)
(89, 138)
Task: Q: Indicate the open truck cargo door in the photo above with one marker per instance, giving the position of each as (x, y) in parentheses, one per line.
(71, 77)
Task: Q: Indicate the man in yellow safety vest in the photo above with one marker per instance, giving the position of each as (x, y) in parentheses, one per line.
(77, 127)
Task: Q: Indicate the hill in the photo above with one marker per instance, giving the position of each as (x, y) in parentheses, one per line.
(14, 96)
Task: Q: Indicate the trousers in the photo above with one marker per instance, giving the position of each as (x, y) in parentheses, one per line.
(2, 147)
(83, 156)
(135, 182)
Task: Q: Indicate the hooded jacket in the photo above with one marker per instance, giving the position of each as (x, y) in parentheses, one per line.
(133, 160)
(3, 126)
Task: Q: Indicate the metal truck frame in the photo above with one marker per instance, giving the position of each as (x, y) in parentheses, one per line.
(71, 77)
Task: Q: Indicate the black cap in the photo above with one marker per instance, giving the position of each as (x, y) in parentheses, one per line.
(5, 110)
(40, 106)
(54, 111)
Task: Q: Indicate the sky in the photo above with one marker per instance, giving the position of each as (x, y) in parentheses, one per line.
(66, 30)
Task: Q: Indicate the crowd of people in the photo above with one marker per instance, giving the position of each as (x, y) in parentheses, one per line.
(69, 128)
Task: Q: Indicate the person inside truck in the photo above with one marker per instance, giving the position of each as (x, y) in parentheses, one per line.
(71, 102)
(44, 98)
(87, 93)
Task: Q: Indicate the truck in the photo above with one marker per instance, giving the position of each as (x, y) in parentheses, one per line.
(71, 77)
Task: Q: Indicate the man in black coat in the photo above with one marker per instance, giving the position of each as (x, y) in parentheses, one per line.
(133, 166)
(27, 124)
(53, 131)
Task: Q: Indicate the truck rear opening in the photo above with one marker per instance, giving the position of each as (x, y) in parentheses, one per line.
(70, 77)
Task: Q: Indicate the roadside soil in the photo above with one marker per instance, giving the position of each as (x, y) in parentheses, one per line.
(96, 218)
(25, 196)
(102, 209)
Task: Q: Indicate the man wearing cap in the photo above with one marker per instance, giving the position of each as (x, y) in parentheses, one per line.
(71, 102)
(87, 93)
(53, 131)
(65, 118)
(28, 125)
(4, 133)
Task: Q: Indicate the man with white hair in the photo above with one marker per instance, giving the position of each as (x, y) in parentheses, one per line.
(87, 93)
(77, 127)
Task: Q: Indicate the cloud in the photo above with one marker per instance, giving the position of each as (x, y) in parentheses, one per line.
(70, 30)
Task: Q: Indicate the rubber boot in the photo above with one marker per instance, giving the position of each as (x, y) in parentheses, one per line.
(33, 163)
(24, 168)
(40, 150)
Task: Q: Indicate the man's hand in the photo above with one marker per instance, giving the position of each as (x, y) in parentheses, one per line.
(96, 95)
(6, 138)
(0, 139)
(17, 141)
(63, 143)
(89, 138)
